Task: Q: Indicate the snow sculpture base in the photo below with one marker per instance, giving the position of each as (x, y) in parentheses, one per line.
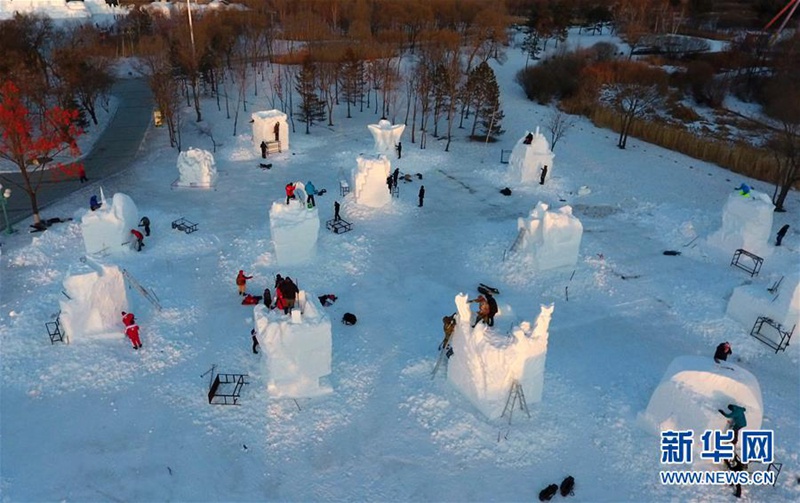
(294, 229)
(552, 238)
(196, 168)
(746, 224)
(95, 302)
(691, 391)
(484, 364)
(527, 160)
(369, 180)
(270, 126)
(386, 136)
(748, 302)
(297, 352)
(108, 229)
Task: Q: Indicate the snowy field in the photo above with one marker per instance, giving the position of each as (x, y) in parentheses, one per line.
(97, 421)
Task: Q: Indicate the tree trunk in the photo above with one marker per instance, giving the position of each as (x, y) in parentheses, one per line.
(196, 97)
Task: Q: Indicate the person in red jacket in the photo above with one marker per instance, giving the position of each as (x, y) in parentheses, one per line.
(132, 331)
(139, 239)
(289, 192)
(127, 319)
(241, 282)
(280, 302)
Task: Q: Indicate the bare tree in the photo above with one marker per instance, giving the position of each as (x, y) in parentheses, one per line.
(783, 104)
(558, 123)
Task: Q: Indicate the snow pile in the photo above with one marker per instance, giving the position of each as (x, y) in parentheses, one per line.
(297, 348)
(108, 229)
(369, 179)
(59, 9)
(748, 302)
(485, 364)
(527, 160)
(746, 224)
(270, 126)
(95, 302)
(294, 228)
(196, 168)
(553, 238)
(386, 136)
(691, 391)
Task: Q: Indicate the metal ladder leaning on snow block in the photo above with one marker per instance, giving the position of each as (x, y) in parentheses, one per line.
(515, 395)
(147, 294)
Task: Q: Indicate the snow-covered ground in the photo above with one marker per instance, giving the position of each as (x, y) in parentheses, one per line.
(97, 421)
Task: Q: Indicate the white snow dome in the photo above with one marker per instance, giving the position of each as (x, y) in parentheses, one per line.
(485, 364)
(270, 126)
(528, 159)
(108, 229)
(691, 391)
(94, 304)
(196, 168)
(369, 180)
(297, 349)
(552, 238)
(294, 229)
(746, 224)
(386, 135)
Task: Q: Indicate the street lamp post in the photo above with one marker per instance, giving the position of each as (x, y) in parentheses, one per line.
(4, 197)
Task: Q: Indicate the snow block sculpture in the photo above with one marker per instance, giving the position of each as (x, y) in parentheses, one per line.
(196, 168)
(95, 302)
(386, 136)
(528, 158)
(691, 391)
(553, 238)
(294, 229)
(369, 180)
(298, 349)
(484, 364)
(748, 302)
(269, 126)
(108, 229)
(746, 223)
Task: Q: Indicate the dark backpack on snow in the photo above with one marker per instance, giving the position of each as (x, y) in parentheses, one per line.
(567, 486)
(548, 492)
(349, 319)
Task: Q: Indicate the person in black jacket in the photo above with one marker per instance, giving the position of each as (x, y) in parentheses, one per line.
(722, 352)
(492, 309)
(421, 194)
(781, 233)
(289, 290)
(255, 341)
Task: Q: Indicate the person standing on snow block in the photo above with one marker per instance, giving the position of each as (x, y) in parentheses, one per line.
(421, 194)
(722, 352)
(241, 282)
(483, 309)
(145, 222)
(280, 302)
(289, 192)
(528, 139)
(310, 192)
(93, 204)
(544, 174)
(132, 331)
(336, 216)
(736, 419)
(263, 149)
(781, 233)
(289, 291)
(139, 243)
(743, 189)
(255, 341)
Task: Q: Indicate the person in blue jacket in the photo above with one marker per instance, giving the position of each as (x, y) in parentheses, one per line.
(743, 189)
(310, 192)
(93, 204)
(736, 419)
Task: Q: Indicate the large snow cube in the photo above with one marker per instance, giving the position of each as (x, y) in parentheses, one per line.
(196, 168)
(746, 224)
(386, 136)
(95, 301)
(270, 126)
(691, 391)
(294, 229)
(553, 238)
(297, 352)
(369, 180)
(485, 364)
(108, 229)
(528, 159)
(748, 302)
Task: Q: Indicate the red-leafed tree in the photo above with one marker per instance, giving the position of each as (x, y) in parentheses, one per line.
(31, 141)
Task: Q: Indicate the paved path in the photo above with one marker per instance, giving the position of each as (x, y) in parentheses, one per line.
(113, 152)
